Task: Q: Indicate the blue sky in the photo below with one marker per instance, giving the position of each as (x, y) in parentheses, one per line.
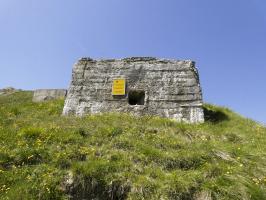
(41, 40)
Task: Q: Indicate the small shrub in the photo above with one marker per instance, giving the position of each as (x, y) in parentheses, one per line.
(231, 137)
(15, 111)
(31, 133)
(185, 163)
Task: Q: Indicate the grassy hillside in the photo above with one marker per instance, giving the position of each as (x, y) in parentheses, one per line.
(118, 156)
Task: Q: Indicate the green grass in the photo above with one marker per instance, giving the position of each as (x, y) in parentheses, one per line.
(118, 156)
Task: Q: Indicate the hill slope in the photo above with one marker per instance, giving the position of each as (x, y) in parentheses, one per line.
(118, 156)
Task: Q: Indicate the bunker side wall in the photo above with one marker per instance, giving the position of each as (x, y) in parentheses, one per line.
(171, 88)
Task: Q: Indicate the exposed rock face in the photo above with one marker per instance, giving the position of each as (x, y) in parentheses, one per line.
(203, 195)
(8, 90)
(167, 88)
(48, 94)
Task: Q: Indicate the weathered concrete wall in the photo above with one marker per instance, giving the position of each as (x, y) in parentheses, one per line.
(48, 94)
(171, 88)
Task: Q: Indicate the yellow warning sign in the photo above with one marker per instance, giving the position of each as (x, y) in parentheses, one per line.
(119, 87)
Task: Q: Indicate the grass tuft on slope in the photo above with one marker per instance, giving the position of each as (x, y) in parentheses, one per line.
(118, 156)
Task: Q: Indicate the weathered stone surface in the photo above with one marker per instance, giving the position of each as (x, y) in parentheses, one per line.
(8, 90)
(48, 94)
(203, 195)
(171, 88)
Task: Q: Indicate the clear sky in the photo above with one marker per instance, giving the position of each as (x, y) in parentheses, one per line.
(41, 40)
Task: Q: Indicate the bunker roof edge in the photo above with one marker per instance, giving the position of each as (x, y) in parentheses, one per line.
(132, 59)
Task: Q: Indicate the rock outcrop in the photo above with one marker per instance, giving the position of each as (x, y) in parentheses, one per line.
(8, 90)
(48, 94)
(145, 86)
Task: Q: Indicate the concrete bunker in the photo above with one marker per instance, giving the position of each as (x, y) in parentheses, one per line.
(138, 85)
